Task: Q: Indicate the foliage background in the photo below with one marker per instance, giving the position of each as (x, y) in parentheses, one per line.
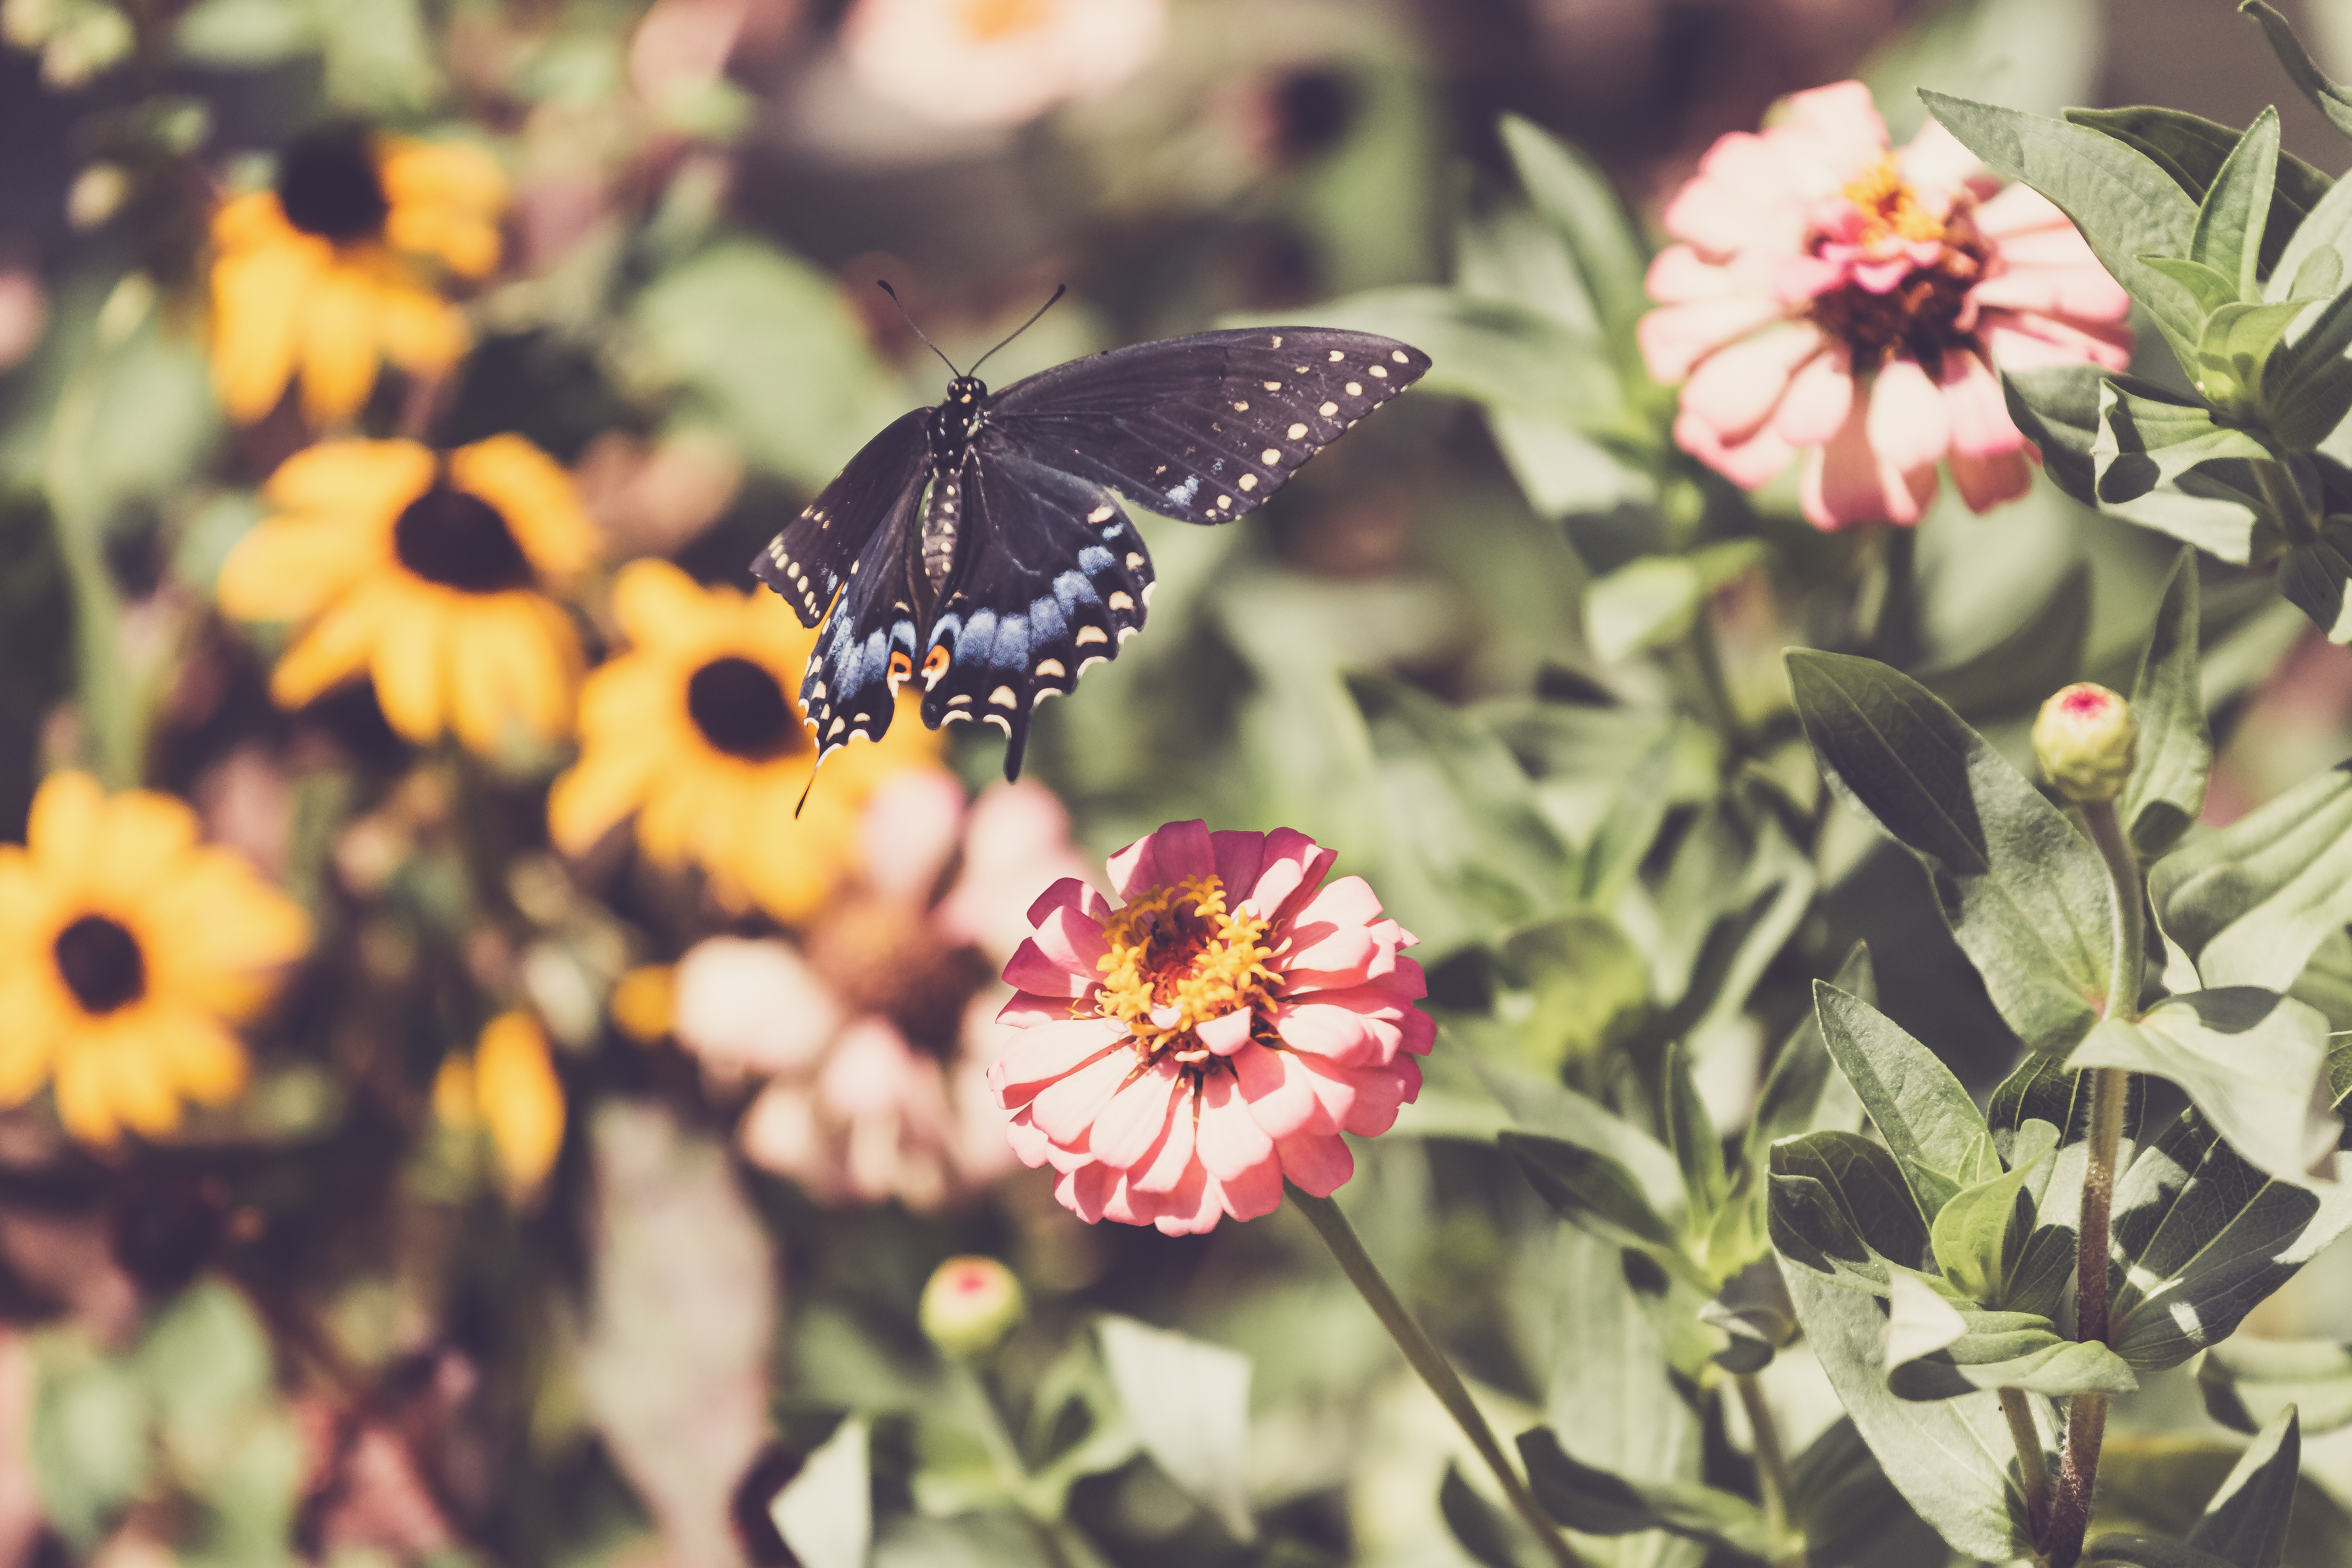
(320, 1333)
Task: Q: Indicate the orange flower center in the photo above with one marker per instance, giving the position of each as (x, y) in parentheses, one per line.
(1178, 959)
(986, 21)
(1926, 311)
(1890, 208)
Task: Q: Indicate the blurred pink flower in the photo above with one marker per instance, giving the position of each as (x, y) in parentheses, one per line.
(876, 1031)
(1183, 1054)
(998, 62)
(1837, 299)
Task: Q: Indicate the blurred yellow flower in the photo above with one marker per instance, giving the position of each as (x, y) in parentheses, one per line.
(508, 1089)
(425, 574)
(643, 1002)
(328, 272)
(695, 730)
(127, 949)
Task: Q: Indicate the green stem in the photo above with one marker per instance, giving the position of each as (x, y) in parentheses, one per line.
(106, 692)
(2030, 1464)
(2128, 897)
(1430, 1362)
(1771, 1460)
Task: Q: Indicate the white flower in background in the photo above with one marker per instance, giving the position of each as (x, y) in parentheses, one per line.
(998, 62)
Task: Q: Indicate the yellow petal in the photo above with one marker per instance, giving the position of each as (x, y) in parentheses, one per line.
(62, 831)
(419, 332)
(645, 1001)
(28, 1044)
(141, 835)
(204, 1061)
(604, 787)
(134, 1075)
(369, 481)
(337, 648)
(520, 1099)
(286, 570)
(410, 663)
(659, 605)
(258, 303)
(83, 1104)
(449, 173)
(337, 338)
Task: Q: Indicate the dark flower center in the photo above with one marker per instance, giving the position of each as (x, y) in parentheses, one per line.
(459, 541)
(327, 185)
(101, 964)
(742, 711)
(1920, 317)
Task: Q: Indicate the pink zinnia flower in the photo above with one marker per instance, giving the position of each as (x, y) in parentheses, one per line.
(998, 62)
(1183, 1054)
(874, 1032)
(1837, 299)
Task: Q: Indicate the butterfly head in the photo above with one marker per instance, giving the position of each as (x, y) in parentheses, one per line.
(967, 392)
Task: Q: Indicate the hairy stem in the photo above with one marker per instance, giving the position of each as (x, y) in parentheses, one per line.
(1771, 1460)
(2030, 1465)
(2128, 898)
(1430, 1362)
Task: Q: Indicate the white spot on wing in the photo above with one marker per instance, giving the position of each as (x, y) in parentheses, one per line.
(1051, 666)
(1249, 481)
(1101, 513)
(1296, 432)
(1122, 600)
(1003, 697)
(1269, 455)
(1355, 389)
(1182, 494)
(1090, 634)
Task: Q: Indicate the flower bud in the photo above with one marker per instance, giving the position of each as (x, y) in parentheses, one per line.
(2087, 742)
(969, 1305)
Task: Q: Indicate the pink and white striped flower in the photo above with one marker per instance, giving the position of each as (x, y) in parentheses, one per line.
(1180, 1055)
(1832, 298)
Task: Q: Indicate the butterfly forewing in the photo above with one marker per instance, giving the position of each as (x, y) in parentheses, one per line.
(1204, 428)
(810, 560)
(1051, 576)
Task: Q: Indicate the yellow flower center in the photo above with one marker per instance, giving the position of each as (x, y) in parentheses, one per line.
(1180, 947)
(1890, 208)
(985, 21)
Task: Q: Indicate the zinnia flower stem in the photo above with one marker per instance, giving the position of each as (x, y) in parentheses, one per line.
(1771, 1460)
(1430, 1363)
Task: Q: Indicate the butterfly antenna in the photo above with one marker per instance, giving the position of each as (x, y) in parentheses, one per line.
(1059, 290)
(884, 284)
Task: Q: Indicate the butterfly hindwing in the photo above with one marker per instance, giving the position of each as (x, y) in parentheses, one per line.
(810, 560)
(866, 645)
(1202, 427)
(1051, 576)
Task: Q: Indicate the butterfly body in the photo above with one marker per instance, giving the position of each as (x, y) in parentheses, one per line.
(982, 549)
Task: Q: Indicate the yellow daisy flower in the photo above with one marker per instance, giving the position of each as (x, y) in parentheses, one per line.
(695, 730)
(510, 1089)
(426, 573)
(328, 272)
(127, 949)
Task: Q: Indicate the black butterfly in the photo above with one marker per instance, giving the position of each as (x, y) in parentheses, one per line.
(981, 545)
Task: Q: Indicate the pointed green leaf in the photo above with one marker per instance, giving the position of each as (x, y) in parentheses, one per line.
(2166, 789)
(2246, 1519)
(2209, 287)
(1591, 988)
(2329, 98)
(2192, 150)
(2126, 206)
(2228, 236)
(1596, 1193)
(1691, 1134)
(2057, 408)
(2250, 902)
(1929, 1124)
(2236, 350)
(1851, 1513)
(1613, 856)
(2161, 461)
(2316, 276)
(1952, 1460)
(2037, 659)
(1793, 1090)
(2322, 234)
(2248, 1383)
(1980, 1234)
(1937, 1349)
(1838, 1207)
(1189, 1403)
(1595, 1503)
(2201, 1237)
(1479, 1528)
(2254, 1062)
(1579, 201)
(2026, 896)
(1753, 1311)
(2313, 578)
(2307, 389)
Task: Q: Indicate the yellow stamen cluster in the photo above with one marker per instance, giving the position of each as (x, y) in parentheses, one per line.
(1181, 947)
(1890, 207)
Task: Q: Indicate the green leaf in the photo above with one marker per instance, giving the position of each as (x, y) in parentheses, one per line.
(2308, 393)
(2254, 1062)
(1595, 1503)
(1936, 1349)
(2166, 789)
(2121, 1550)
(1596, 1193)
(2329, 98)
(2201, 1236)
(2192, 150)
(1652, 601)
(1690, 1134)
(1791, 1095)
(1479, 1528)
(2250, 902)
(1592, 986)
(2024, 667)
(1980, 1236)
(245, 32)
(1952, 1460)
(2211, 287)
(1929, 1124)
(2228, 236)
(1189, 1403)
(2313, 578)
(1578, 201)
(2235, 352)
(2159, 461)
(2057, 408)
(2248, 1383)
(2025, 895)
(2125, 206)
(88, 1438)
(1612, 857)
(1753, 1311)
(1838, 1207)
(1549, 1108)
(2319, 236)
(1851, 1513)
(825, 1514)
(2246, 1520)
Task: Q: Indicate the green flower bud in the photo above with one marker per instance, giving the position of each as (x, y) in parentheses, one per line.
(969, 1305)
(2087, 742)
